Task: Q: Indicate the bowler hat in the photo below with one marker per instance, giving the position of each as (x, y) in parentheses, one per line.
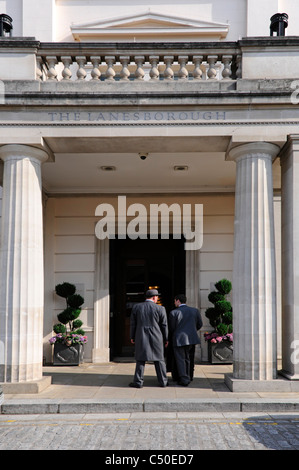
(151, 293)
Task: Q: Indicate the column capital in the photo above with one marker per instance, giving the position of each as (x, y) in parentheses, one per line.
(20, 151)
(251, 149)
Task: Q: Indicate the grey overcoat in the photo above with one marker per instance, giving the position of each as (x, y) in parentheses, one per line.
(149, 330)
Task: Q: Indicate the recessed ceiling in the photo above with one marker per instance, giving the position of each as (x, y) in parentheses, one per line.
(78, 172)
(80, 163)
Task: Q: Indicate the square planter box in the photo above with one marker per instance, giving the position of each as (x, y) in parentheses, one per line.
(68, 355)
(220, 353)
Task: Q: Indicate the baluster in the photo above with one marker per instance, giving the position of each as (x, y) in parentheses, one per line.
(95, 73)
(183, 72)
(227, 72)
(154, 72)
(66, 73)
(212, 72)
(81, 72)
(139, 74)
(110, 73)
(52, 61)
(39, 64)
(168, 73)
(197, 72)
(239, 66)
(125, 73)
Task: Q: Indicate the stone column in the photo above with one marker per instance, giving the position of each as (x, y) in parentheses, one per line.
(290, 257)
(254, 275)
(21, 265)
(101, 350)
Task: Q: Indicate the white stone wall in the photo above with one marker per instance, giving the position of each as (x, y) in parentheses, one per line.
(69, 257)
(216, 254)
(216, 10)
(51, 19)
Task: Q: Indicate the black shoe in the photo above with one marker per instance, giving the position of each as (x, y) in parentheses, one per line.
(183, 384)
(133, 384)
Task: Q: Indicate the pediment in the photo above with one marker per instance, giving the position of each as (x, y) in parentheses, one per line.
(148, 26)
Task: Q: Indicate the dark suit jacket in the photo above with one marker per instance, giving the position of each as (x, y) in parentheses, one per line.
(184, 322)
(149, 330)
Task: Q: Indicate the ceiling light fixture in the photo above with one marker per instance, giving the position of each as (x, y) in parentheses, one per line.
(108, 168)
(180, 168)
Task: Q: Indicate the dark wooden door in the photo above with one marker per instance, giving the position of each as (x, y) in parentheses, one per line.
(135, 266)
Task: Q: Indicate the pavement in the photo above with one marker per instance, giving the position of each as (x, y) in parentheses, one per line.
(104, 388)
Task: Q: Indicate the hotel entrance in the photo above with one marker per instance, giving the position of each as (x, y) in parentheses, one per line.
(135, 266)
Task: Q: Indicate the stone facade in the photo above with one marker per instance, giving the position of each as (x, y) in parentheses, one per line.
(214, 118)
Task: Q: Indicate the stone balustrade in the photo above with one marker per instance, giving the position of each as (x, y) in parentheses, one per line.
(26, 59)
(140, 62)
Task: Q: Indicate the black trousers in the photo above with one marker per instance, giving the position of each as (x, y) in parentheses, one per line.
(184, 359)
(171, 363)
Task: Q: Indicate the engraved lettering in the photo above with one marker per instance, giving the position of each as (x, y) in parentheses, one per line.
(64, 116)
(113, 116)
(220, 116)
(183, 116)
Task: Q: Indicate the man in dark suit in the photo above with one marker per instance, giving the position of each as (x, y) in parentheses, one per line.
(184, 322)
(149, 333)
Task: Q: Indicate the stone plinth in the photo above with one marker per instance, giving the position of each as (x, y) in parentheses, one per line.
(34, 386)
(276, 385)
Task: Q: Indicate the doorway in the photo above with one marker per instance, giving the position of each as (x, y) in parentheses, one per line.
(135, 266)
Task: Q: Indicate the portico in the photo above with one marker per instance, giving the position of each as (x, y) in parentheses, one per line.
(68, 145)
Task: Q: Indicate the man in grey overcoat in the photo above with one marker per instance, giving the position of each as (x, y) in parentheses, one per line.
(149, 333)
(184, 322)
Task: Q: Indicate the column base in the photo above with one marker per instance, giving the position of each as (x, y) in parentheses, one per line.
(275, 385)
(36, 386)
(101, 355)
(289, 375)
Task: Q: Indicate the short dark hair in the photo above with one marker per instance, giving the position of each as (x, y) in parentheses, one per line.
(181, 297)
